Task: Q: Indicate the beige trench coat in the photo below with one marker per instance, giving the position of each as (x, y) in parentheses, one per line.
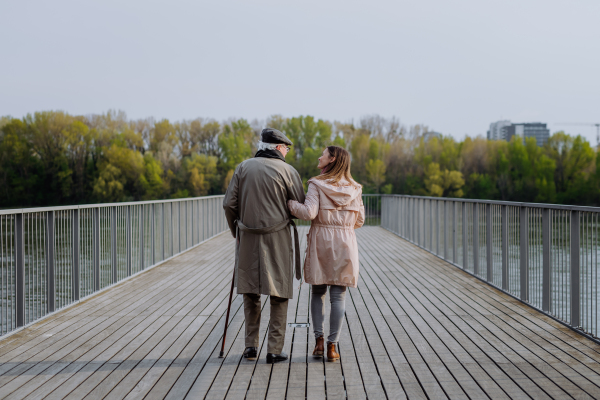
(257, 195)
(332, 251)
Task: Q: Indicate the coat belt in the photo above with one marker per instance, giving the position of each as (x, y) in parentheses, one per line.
(275, 228)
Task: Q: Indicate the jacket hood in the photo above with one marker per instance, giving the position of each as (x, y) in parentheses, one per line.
(341, 195)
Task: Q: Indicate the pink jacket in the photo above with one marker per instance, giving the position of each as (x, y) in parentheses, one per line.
(332, 252)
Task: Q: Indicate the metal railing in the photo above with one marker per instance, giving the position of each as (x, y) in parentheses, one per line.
(544, 254)
(53, 257)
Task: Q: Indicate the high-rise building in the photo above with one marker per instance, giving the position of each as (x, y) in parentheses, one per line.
(505, 130)
(535, 130)
(496, 131)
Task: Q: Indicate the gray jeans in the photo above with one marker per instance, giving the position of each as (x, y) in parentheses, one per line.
(337, 298)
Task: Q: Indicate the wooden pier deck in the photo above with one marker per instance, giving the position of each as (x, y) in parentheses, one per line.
(416, 328)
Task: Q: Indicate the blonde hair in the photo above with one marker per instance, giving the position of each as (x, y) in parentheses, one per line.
(339, 168)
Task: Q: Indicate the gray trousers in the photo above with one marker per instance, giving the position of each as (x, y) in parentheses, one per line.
(337, 298)
(277, 323)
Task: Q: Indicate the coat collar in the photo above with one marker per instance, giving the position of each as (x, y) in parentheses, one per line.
(270, 154)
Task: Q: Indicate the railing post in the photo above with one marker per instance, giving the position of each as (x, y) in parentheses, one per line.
(454, 233)
(213, 215)
(417, 220)
(414, 220)
(20, 269)
(187, 243)
(50, 273)
(202, 225)
(181, 235)
(75, 271)
(476, 238)
(575, 289)
(546, 268)
(404, 217)
(398, 214)
(153, 233)
(445, 203)
(408, 216)
(504, 223)
(488, 239)
(113, 243)
(465, 238)
(199, 224)
(524, 252)
(430, 225)
(128, 237)
(173, 229)
(96, 249)
(419, 225)
(162, 231)
(142, 243)
(439, 225)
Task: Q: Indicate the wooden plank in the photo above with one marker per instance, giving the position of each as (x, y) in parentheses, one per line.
(262, 371)
(207, 381)
(548, 386)
(130, 305)
(245, 371)
(296, 386)
(315, 370)
(415, 323)
(353, 381)
(32, 387)
(388, 374)
(280, 371)
(80, 360)
(370, 374)
(141, 383)
(82, 307)
(201, 354)
(533, 361)
(511, 390)
(71, 315)
(42, 340)
(423, 325)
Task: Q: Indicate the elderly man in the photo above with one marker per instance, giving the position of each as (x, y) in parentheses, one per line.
(256, 208)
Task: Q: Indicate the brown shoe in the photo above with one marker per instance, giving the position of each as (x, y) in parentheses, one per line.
(332, 355)
(319, 348)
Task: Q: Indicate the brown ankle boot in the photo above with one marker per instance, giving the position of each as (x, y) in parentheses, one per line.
(332, 355)
(319, 348)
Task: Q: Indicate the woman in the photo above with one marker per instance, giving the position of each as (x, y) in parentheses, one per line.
(334, 204)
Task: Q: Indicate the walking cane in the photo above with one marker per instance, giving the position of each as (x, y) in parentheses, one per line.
(227, 318)
(237, 244)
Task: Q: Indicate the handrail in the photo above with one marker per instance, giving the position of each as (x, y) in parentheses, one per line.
(53, 257)
(80, 206)
(546, 255)
(503, 203)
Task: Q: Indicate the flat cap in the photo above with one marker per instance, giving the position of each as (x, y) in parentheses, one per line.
(270, 135)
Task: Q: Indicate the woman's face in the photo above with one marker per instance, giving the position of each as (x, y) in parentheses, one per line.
(325, 159)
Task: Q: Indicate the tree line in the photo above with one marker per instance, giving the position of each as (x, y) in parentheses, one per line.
(54, 158)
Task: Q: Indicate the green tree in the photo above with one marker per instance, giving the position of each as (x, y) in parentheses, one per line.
(152, 179)
(376, 173)
(574, 160)
(201, 170)
(236, 142)
(443, 183)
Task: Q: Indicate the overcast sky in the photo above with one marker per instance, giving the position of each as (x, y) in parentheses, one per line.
(455, 65)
